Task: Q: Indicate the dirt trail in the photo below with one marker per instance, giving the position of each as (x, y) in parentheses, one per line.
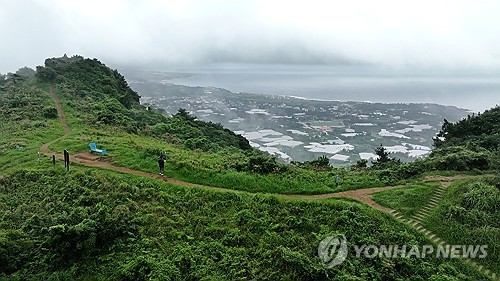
(363, 195)
(67, 129)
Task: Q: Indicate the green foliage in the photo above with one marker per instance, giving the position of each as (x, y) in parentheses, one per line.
(264, 165)
(472, 128)
(469, 144)
(361, 164)
(45, 74)
(200, 143)
(468, 215)
(407, 200)
(202, 135)
(110, 111)
(383, 155)
(184, 114)
(22, 102)
(49, 112)
(495, 162)
(72, 223)
(383, 160)
(95, 226)
(93, 78)
(405, 171)
(25, 71)
(459, 159)
(321, 163)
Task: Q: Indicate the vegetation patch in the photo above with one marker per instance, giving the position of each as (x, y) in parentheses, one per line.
(469, 215)
(99, 225)
(407, 200)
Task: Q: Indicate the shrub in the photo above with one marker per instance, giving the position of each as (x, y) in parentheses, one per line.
(482, 197)
(263, 165)
(49, 112)
(200, 143)
(464, 160)
(360, 164)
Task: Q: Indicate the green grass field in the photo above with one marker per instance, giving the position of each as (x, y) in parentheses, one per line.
(406, 200)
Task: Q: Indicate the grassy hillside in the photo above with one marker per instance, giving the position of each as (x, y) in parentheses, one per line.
(407, 200)
(27, 120)
(103, 226)
(468, 214)
(95, 224)
(197, 151)
(471, 143)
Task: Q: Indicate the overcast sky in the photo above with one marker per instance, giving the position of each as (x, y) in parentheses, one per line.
(456, 34)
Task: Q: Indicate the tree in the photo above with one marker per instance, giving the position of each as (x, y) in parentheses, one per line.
(383, 155)
(3, 78)
(384, 161)
(15, 78)
(25, 71)
(45, 74)
(182, 113)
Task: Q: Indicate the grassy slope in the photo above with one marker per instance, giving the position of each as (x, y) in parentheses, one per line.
(407, 200)
(125, 227)
(469, 214)
(209, 168)
(90, 224)
(22, 126)
(457, 220)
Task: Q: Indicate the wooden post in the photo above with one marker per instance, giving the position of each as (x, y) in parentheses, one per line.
(65, 161)
(67, 158)
(53, 160)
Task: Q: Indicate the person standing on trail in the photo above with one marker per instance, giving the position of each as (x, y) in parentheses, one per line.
(161, 165)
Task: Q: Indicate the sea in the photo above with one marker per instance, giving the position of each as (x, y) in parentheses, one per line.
(476, 90)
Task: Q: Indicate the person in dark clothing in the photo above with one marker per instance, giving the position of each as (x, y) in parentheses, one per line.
(161, 164)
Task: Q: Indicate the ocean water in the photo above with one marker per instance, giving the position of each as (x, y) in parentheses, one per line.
(474, 90)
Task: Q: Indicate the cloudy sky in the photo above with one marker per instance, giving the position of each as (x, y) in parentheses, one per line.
(424, 33)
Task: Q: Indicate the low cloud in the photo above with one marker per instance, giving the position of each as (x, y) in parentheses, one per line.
(456, 34)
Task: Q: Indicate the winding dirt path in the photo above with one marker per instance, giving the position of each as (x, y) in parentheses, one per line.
(362, 195)
(87, 159)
